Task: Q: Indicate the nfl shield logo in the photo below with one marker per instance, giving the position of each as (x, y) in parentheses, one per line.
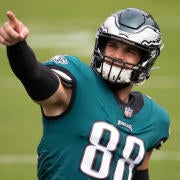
(128, 112)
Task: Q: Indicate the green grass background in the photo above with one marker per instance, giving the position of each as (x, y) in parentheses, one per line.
(20, 118)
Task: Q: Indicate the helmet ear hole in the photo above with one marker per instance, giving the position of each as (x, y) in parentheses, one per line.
(144, 57)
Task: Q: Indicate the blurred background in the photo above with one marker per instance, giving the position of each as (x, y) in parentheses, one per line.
(68, 27)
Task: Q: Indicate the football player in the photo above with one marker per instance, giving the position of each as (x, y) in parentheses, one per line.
(94, 125)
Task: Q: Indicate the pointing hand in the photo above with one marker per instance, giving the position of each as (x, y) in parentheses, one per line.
(13, 30)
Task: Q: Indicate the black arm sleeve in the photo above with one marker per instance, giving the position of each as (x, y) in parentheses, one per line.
(141, 175)
(39, 81)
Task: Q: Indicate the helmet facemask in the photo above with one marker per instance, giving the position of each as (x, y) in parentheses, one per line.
(113, 70)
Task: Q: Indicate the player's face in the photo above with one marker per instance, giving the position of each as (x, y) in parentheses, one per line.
(125, 52)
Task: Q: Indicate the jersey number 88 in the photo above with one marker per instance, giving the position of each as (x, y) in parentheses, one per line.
(129, 157)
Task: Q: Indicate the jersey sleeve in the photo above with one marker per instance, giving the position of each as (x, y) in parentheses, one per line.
(160, 122)
(66, 67)
(163, 126)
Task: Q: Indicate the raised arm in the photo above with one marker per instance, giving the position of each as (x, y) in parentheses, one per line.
(42, 85)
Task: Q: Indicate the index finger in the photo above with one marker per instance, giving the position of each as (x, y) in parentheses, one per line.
(11, 16)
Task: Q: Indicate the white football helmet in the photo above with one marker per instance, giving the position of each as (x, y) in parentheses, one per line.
(135, 27)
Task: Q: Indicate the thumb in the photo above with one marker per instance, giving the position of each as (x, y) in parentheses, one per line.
(24, 33)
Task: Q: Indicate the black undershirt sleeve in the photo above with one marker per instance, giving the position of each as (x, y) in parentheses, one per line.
(39, 81)
(141, 175)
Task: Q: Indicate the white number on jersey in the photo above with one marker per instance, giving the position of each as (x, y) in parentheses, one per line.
(107, 150)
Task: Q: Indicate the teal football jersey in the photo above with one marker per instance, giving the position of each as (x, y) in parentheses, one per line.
(93, 139)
